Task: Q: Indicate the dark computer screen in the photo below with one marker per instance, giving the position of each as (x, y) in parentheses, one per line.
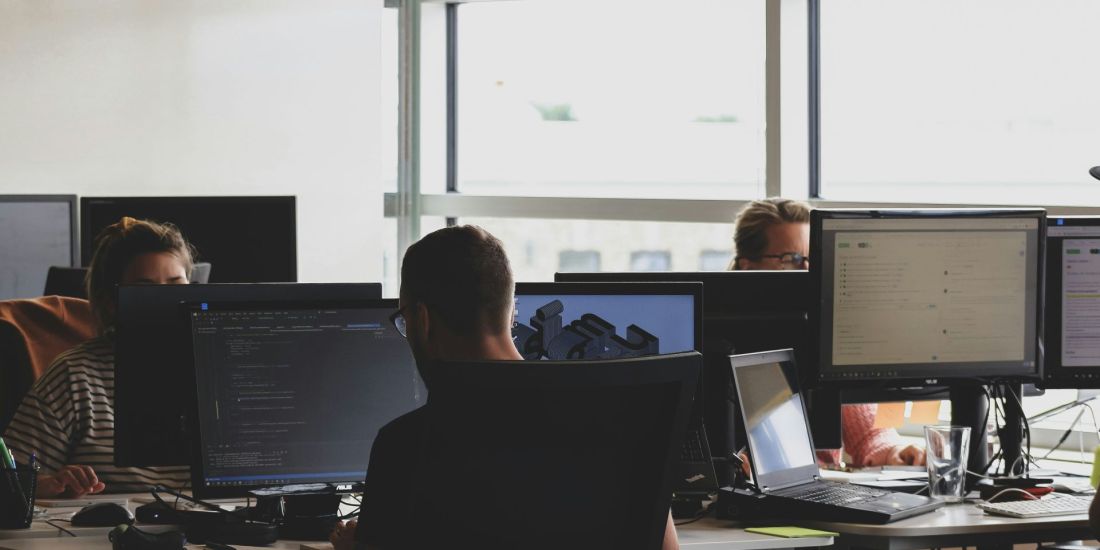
(927, 295)
(153, 356)
(292, 394)
(562, 321)
(1072, 358)
(39, 231)
(246, 239)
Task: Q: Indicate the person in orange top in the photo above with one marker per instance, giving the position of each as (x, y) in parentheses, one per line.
(774, 234)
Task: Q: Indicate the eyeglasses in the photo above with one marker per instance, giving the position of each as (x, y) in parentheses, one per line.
(794, 260)
(398, 320)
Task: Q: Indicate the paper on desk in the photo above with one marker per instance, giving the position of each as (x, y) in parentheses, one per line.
(889, 415)
(791, 532)
(925, 412)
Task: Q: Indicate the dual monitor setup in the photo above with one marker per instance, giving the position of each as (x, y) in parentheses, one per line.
(247, 239)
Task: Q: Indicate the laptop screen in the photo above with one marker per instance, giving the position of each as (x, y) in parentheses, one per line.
(775, 419)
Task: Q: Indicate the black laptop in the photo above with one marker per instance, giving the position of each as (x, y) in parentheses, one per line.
(781, 451)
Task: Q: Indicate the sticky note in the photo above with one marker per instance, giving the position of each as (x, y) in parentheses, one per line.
(925, 412)
(1094, 479)
(890, 415)
(790, 532)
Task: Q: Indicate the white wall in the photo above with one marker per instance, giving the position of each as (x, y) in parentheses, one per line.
(203, 97)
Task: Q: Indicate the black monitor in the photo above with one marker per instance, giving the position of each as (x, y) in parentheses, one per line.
(294, 393)
(574, 457)
(562, 321)
(1072, 358)
(924, 297)
(247, 239)
(154, 380)
(39, 231)
(746, 312)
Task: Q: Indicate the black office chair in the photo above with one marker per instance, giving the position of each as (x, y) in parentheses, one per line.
(534, 454)
(69, 281)
(66, 281)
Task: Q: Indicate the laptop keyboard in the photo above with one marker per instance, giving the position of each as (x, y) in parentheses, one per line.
(692, 450)
(830, 493)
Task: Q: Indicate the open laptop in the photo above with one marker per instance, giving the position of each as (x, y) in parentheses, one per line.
(782, 457)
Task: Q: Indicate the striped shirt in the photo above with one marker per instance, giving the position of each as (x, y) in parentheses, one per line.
(68, 417)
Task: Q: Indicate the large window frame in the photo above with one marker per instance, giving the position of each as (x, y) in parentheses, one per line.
(792, 141)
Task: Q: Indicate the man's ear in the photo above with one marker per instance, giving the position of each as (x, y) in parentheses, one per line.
(423, 321)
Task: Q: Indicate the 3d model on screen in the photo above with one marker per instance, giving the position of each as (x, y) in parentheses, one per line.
(588, 337)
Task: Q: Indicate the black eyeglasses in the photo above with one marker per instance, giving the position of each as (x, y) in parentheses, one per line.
(398, 320)
(793, 259)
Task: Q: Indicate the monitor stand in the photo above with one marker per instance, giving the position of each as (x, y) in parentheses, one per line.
(969, 407)
(310, 516)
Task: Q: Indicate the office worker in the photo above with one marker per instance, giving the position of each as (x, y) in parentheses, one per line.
(774, 234)
(67, 418)
(456, 302)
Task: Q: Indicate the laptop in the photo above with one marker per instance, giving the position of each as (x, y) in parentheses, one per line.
(781, 451)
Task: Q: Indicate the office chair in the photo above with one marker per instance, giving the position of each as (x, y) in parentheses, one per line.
(546, 454)
(32, 333)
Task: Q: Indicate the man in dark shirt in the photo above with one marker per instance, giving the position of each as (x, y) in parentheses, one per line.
(456, 304)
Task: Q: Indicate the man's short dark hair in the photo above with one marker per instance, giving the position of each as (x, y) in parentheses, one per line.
(463, 276)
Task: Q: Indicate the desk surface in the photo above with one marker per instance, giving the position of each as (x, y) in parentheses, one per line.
(707, 533)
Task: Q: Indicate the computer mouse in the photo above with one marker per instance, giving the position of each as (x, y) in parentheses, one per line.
(102, 514)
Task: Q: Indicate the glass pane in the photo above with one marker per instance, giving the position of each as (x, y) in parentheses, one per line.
(984, 101)
(539, 248)
(612, 98)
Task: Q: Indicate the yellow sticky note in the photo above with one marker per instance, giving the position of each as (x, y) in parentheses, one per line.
(791, 532)
(925, 412)
(890, 415)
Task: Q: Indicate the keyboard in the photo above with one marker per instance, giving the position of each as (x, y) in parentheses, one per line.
(692, 450)
(834, 493)
(1052, 505)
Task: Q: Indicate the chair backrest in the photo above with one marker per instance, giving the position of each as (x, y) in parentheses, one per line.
(66, 281)
(32, 333)
(533, 454)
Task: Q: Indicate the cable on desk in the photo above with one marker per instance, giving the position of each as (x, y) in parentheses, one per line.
(51, 523)
(1012, 490)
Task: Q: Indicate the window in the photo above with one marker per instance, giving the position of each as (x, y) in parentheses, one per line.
(715, 260)
(578, 261)
(974, 102)
(650, 260)
(611, 98)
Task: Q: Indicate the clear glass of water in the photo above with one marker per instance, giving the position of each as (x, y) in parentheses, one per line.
(947, 449)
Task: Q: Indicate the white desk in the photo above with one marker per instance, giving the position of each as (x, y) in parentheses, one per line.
(957, 525)
(705, 534)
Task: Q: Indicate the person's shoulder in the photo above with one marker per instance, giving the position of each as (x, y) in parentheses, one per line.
(92, 358)
(407, 425)
(98, 350)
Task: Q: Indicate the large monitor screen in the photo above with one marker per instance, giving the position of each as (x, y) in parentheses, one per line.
(39, 231)
(153, 351)
(295, 394)
(928, 295)
(562, 321)
(1072, 357)
(245, 239)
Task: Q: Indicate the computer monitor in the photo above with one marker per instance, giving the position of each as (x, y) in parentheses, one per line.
(563, 321)
(575, 457)
(154, 376)
(743, 312)
(924, 297)
(247, 239)
(39, 231)
(294, 393)
(1072, 358)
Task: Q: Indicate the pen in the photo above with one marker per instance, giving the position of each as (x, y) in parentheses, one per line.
(9, 460)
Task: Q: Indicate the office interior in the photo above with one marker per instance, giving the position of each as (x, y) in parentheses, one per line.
(611, 138)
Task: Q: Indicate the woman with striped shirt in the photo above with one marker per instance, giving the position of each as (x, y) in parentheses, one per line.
(67, 418)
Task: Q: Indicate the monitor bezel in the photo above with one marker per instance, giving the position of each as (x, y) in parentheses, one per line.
(74, 227)
(198, 465)
(922, 374)
(679, 288)
(1055, 375)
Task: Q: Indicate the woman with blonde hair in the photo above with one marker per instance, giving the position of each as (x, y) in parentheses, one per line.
(774, 234)
(67, 418)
